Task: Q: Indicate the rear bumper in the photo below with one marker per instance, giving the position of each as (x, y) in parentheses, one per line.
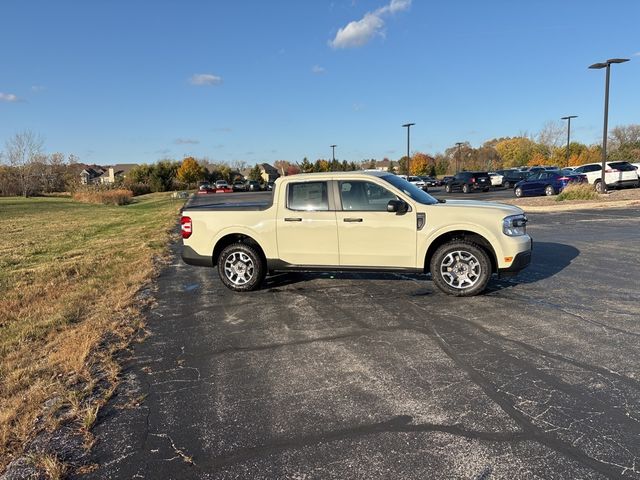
(190, 257)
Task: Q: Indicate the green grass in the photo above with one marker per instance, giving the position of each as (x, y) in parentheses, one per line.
(69, 272)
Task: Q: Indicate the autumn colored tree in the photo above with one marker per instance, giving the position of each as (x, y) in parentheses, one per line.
(515, 152)
(281, 166)
(190, 171)
(321, 165)
(420, 163)
(292, 170)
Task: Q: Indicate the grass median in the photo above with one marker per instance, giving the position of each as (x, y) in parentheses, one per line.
(70, 273)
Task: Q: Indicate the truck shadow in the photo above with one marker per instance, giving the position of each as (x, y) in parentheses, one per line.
(548, 259)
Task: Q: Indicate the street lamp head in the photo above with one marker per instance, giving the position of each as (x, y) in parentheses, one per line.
(608, 62)
(569, 117)
(333, 146)
(408, 125)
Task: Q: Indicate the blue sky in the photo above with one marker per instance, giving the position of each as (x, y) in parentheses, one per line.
(135, 81)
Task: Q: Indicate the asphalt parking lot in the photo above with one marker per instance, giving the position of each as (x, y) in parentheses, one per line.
(382, 376)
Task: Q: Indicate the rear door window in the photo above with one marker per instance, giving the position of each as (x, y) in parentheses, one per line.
(622, 166)
(308, 196)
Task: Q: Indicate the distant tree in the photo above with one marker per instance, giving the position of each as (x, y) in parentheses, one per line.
(516, 152)
(293, 170)
(552, 134)
(321, 165)
(372, 164)
(335, 166)
(345, 166)
(281, 166)
(255, 174)
(24, 154)
(420, 164)
(624, 135)
(432, 170)
(190, 171)
(391, 168)
(403, 166)
(306, 166)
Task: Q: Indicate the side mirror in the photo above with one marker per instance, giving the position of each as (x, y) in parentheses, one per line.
(397, 206)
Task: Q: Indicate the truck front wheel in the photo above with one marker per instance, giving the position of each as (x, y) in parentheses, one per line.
(460, 268)
(241, 267)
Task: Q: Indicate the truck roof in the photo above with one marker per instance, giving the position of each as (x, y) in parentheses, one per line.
(324, 175)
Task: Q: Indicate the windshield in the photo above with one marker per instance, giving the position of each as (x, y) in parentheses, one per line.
(410, 189)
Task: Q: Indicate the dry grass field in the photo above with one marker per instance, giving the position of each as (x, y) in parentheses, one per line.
(69, 275)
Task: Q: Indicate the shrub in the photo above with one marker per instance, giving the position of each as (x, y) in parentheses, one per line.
(105, 197)
(579, 191)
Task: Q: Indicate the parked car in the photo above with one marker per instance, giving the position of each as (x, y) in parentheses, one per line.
(445, 179)
(496, 179)
(238, 186)
(546, 183)
(204, 188)
(222, 186)
(253, 186)
(269, 186)
(418, 182)
(511, 177)
(429, 181)
(469, 181)
(616, 175)
(637, 167)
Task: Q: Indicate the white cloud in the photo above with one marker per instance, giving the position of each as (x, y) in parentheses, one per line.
(8, 97)
(202, 79)
(186, 141)
(38, 88)
(637, 54)
(359, 32)
(318, 70)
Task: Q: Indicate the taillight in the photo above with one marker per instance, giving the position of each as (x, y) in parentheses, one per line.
(473, 179)
(186, 227)
(564, 179)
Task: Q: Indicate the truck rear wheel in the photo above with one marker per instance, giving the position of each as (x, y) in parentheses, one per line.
(460, 268)
(241, 267)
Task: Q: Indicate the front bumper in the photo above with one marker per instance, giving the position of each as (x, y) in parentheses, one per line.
(520, 262)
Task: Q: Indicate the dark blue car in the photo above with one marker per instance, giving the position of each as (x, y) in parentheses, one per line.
(546, 183)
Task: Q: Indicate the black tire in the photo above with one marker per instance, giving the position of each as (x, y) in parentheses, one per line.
(518, 192)
(549, 190)
(447, 188)
(241, 268)
(457, 263)
(507, 184)
(485, 189)
(465, 188)
(598, 186)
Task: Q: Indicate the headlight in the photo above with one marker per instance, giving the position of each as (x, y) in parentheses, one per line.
(514, 225)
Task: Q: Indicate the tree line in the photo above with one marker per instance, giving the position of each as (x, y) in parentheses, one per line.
(26, 170)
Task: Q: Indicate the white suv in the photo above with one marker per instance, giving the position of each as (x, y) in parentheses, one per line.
(617, 174)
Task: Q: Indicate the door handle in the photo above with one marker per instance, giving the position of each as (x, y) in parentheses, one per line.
(292, 219)
(352, 220)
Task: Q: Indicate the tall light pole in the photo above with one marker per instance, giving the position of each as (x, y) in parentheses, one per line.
(598, 66)
(408, 126)
(568, 133)
(459, 145)
(333, 151)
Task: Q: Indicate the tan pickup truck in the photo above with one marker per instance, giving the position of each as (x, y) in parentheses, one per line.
(351, 221)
